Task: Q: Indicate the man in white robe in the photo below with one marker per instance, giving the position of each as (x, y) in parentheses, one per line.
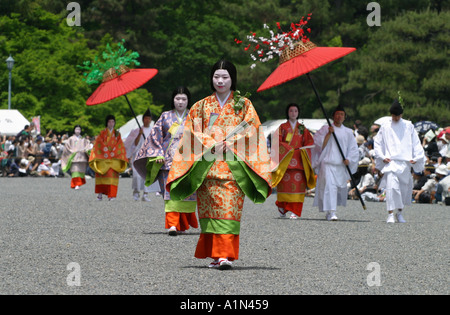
(133, 144)
(331, 189)
(397, 149)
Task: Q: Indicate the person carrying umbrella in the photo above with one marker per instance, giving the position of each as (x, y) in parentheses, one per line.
(108, 159)
(133, 143)
(397, 150)
(331, 189)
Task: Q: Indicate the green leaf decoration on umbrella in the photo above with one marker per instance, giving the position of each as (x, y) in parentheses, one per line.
(112, 60)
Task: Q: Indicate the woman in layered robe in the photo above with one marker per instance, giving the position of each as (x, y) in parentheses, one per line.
(223, 156)
(294, 173)
(75, 158)
(108, 159)
(154, 161)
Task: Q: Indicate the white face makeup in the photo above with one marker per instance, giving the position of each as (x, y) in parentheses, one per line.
(77, 131)
(293, 113)
(222, 81)
(180, 102)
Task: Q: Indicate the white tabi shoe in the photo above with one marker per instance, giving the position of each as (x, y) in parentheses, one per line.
(293, 216)
(400, 218)
(224, 264)
(214, 264)
(99, 197)
(145, 198)
(390, 218)
(331, 216)
(136, 196)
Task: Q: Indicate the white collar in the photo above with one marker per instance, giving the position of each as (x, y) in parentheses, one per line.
(293, 124)
(180, 118)
(222, 104)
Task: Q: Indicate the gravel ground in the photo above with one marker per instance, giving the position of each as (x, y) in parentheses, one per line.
(121, 247)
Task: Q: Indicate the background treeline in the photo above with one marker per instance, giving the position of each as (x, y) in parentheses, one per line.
(183, 39)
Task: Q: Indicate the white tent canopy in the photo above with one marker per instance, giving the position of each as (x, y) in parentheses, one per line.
(11, 122)
(311, 124)
(130, 126)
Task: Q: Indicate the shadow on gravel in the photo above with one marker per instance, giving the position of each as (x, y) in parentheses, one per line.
(234, 268)
(322, 220)
(166, 233)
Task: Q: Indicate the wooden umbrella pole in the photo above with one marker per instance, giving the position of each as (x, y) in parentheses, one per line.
(134, 114)
(337, 142)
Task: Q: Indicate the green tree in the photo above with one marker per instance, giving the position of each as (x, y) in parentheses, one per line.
(46, 81)
(408, 54)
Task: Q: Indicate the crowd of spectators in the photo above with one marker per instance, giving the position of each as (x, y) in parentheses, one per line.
(29, 154)
(430, 186)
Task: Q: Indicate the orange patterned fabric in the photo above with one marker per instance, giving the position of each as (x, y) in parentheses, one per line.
(200, 135)
(108, 146)
(291, 189)
(219, 198)
(295, 140)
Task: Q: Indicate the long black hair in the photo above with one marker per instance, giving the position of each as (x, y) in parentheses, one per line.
(181, 90)
(289, 106)
(224, 65)
(108, 118)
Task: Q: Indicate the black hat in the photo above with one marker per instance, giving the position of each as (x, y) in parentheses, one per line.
(181, 90)
(148, 113)
(396, 108)
(225, 65)
(339, 108)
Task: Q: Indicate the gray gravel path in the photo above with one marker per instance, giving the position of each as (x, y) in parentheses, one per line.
(121, 247)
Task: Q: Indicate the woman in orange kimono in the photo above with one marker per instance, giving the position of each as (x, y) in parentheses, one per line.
(294, 173)
(223, 156)
(108, 159)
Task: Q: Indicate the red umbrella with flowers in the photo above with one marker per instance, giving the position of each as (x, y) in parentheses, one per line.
(298, 56)
(115, 76)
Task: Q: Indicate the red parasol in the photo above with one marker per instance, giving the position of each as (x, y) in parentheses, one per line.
(120, 82)
(309, 58)
(302, 59)
(115, 85)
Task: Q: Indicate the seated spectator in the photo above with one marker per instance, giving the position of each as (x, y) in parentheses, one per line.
(361, 147)
(427, 192)
(23, 171)
(443, 183)
(13, 169)
(366, 186)
(46, 169)
(419, 180)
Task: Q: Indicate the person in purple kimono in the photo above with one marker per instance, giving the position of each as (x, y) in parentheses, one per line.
(154, 160)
